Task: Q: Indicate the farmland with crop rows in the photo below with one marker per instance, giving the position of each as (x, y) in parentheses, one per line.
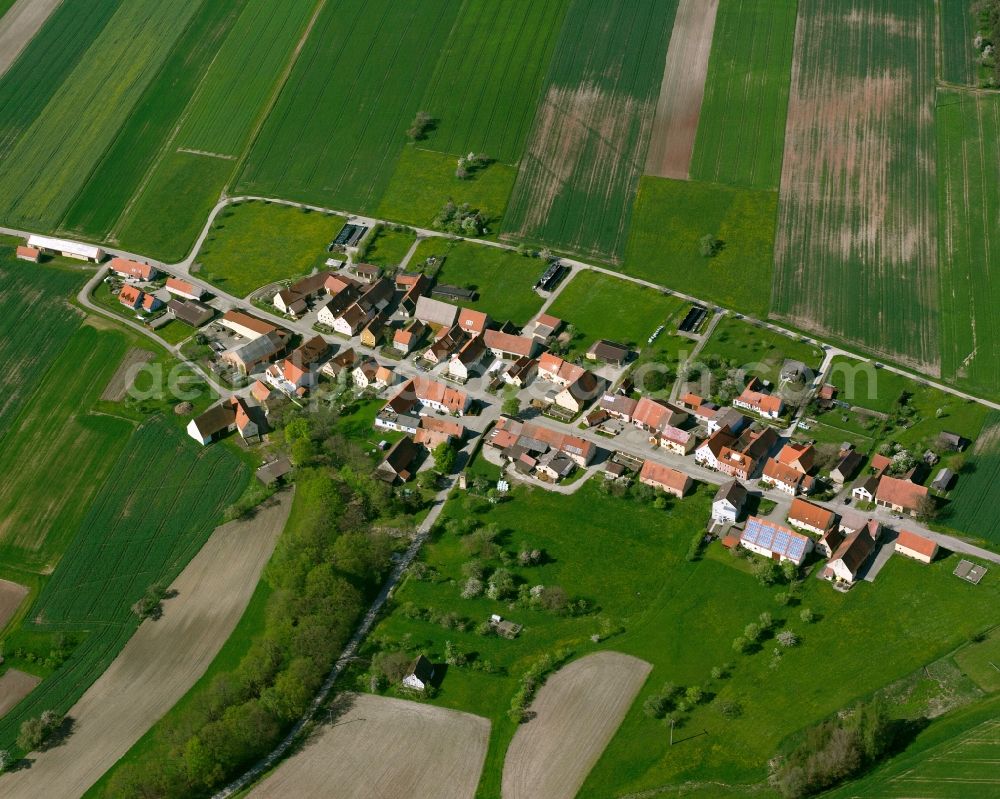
(586, 151)
(856, 249)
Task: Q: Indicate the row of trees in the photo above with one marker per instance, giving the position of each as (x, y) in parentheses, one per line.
(326, 565)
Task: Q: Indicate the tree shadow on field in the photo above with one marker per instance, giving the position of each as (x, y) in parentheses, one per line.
(60, 734)
(330, 715)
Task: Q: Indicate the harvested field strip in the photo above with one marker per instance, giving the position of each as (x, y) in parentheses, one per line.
(489, 75)
(577, 712)
(972, 506)
(968, 132)
(51, 161)
(587, 148)
(742, 125)
(856, 249)
(127, 162)
(35, 77)
(243, 76)
(122, 379)
(19, 24)
(11, 597)
(340, 123)
(14, 686)
(956, 42)
(682, 90)
(162, 660)
(389, 748)
(62, 454)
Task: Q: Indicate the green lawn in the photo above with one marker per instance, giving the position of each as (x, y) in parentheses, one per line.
(389, 247)
(601, 306)
(255, 243)
(670, 218)
(503, 279)
(741, 129)
(981, 661)
(424, 181)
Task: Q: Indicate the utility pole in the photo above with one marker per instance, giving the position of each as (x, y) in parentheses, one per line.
(671, 732)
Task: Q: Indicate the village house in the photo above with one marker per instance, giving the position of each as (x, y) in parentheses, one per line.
(851, 555)
(755, 398)
(131, 297)
(847, 466)
(554, 369)
(915, 546)
(434, 312)
(338, 363)
(800, 457)
(437, 396)
(508, 346)
(397, 465)
(674, 482)
(618, 406)
(546, 326)
(413, 286)
(463, 363)
(652, 415)
(710, 450)
(245, 325)
(447, 341)
(406, 338)
(213, 424)
(374, 331)
(729, 502)
(181, 288)
(810, 517)
(473, 322)
(578, 394)
(675, 440)
(509, 433)
(726, 419)
(31, 254)
(521, 372)
(864, 489)
(133, 270)
(775, 541)
(364, 373)
(899, 496)
(784, 477)
(609, 352)
(190, 312)
(742, 459)
(420, 674)
(248, 356)
(331, 310)
(294, 299)
(433, 431)
(290, 302)
(263, 394)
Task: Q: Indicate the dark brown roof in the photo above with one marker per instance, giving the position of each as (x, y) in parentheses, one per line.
(855, 549)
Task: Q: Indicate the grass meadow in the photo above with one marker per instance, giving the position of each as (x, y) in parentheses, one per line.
(968, 133)
(503, 279)
(741, 129)
(255, 243)
(424, 181)
(119, 174)
(743, 345)
(972, 508)
(489, 74)
(600, 306)
(680, 616)
(55, 154)
(856, 248)
(340, 122)
(389, 247)
(586, 151)
(671, 217)
(957, 30)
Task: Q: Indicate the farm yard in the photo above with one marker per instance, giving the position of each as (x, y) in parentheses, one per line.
(252, 244)
(587, 148)
(48, 164)
(483, 92)
(675, 123)
(388, 748)
(162, 660)
(856, 249)
(742, 124)
(669, 221)
(575, 714)
(374, 57)
(968, 132)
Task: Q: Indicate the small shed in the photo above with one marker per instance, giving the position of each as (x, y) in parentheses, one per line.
(420, 674)
(943, 481)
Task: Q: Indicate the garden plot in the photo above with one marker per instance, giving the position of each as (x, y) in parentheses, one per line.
(576, 713)
(387, 748)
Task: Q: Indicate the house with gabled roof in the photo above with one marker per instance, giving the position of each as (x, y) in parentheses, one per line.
(811, 517)
(580, 393)
(182, 288)
(464, 362)
(851, 555)
(521, 372)
(729, 502)
(781, 476)
(546, 326)
(800, 457)
(674, 482)
(248, 356)
(413, 286)
(131, 297)
(398, 463)
(228, 416)
(916, 546)
(31, 254)
(508, 346)
(755, 398)
(775, 541)
(899, 496)
(554, 369)
(406, 338)
(435, 312)
(674, 439)
(847, 466)
(710, 450)
(133, 270)
(243, 324)
(420, 674)
(473, 322)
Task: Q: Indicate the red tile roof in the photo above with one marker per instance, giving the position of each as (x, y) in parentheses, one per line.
(182, 287)
(780, 473)
(29, 253)
(130, 296)
(810, 515)
(901, 493)
(917, 543)
(799, 456)
(124, 266)
(508, 343)
(664, 476)
(472, 321)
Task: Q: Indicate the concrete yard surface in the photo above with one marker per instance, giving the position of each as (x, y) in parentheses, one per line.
(575, 715)
(385, 748)
(161, 661)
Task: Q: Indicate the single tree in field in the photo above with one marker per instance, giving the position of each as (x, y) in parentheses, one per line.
(444, 457)
(419, 127)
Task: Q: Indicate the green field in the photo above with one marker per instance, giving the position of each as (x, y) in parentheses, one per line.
(52, 159)
(503, 279)
(741, 128)
(578, 176)
(28, 86)
(489, 75)
(255, 243)
(601, 306)
(681, 617)
(856, 250)
(957, 31)
(760, 351)
(424, 181)
(980, 660)
(973, 508)
(340, 122)
(243, 76)
(389, 247)
(968, 131)
(670, 218)
(141, 139)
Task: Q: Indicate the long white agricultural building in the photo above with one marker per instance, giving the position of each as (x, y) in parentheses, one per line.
(70, 249)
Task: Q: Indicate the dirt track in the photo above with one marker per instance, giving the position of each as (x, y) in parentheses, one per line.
(11, 597)
(389, 749)
(161, 661)
(682, 90)
(14, 686)
(578, 711)
(24, 19)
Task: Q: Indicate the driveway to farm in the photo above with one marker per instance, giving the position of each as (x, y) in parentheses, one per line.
(18, 27)
(160, 662)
